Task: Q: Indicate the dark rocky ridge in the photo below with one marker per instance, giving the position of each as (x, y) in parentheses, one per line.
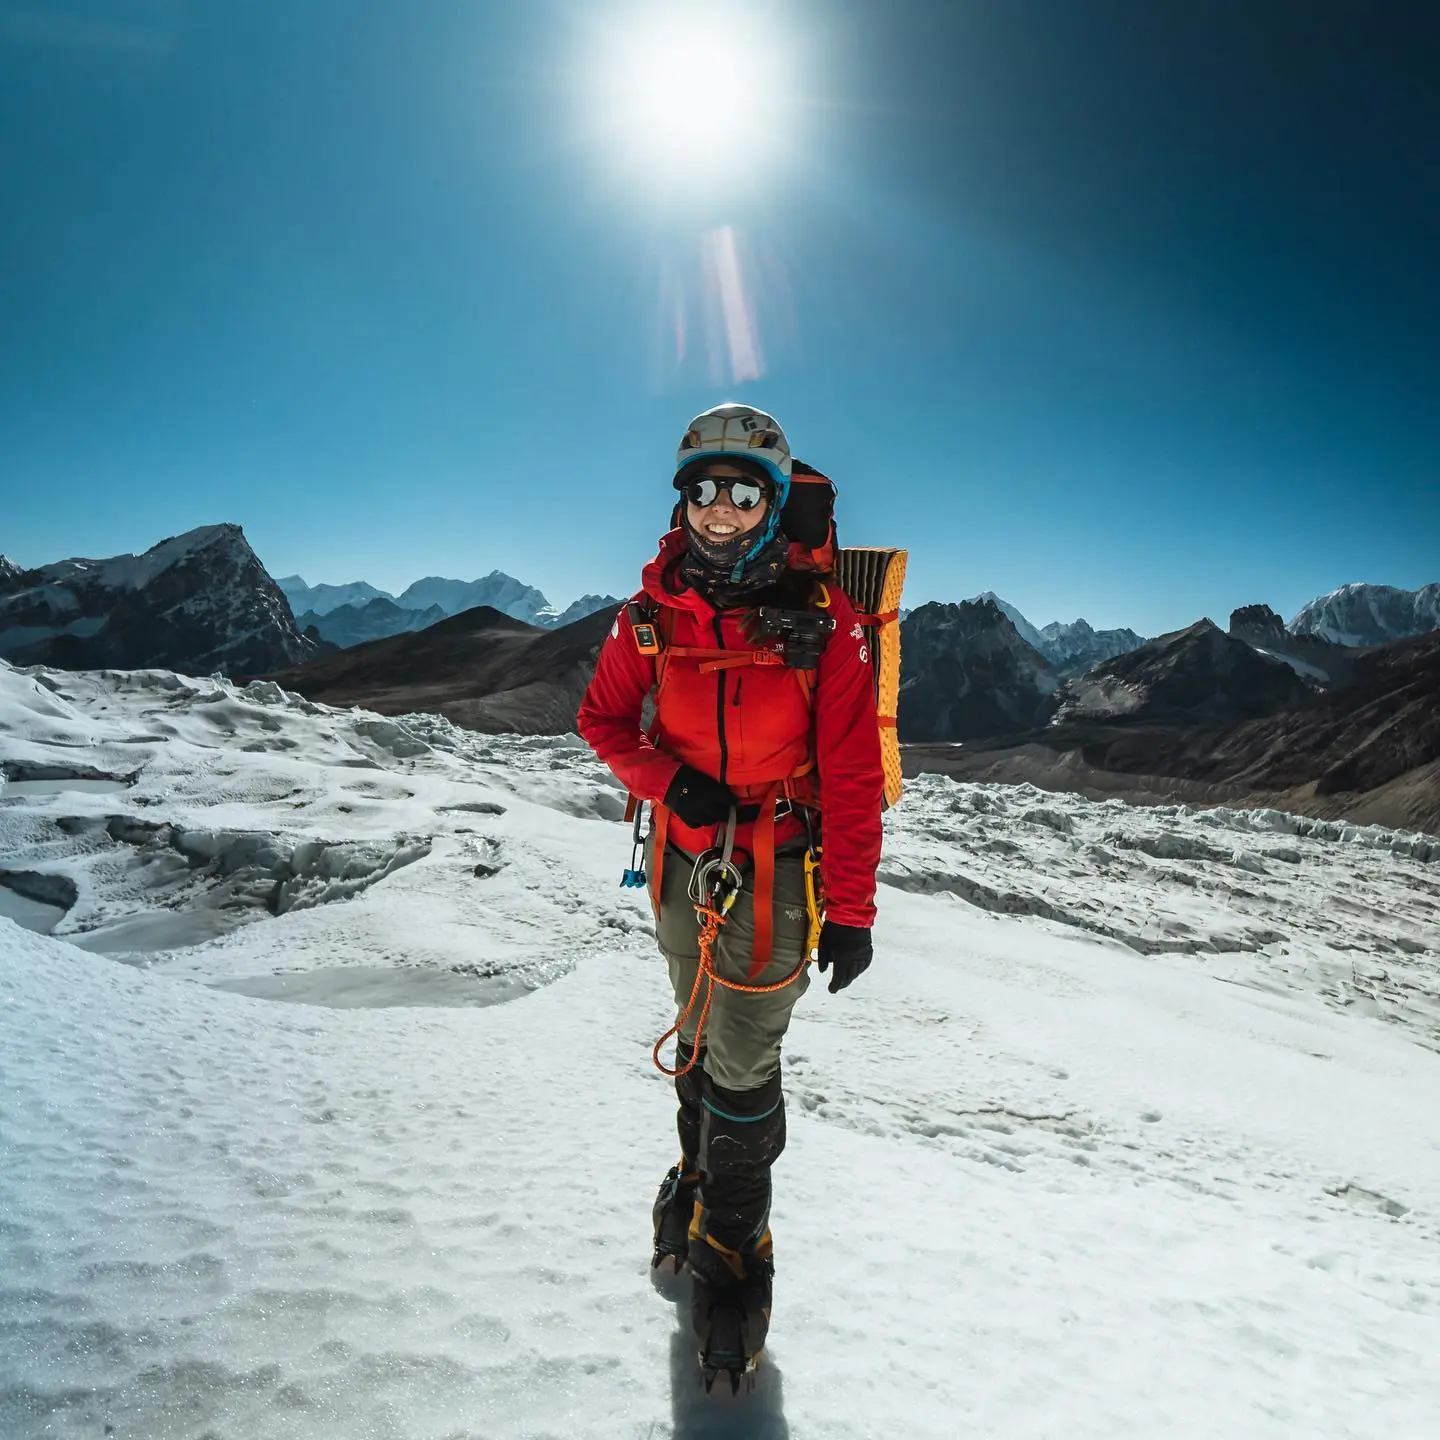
(967, 672)
(1309, 655)
(1195, 675)
(196, 603)
(1367, 750)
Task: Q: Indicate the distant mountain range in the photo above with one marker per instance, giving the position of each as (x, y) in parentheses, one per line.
(1069, 648)
(1352, 616)
(353, 614)
(1365, 749)
(1053, 703)
(1264, 715)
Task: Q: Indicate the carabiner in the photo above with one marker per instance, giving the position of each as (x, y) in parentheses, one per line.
(635, 878)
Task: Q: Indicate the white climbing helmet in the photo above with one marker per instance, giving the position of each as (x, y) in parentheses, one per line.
(738, 432)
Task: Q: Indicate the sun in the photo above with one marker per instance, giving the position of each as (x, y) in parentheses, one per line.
(683, 90)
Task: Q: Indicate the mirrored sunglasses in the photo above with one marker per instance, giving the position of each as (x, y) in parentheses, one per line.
(744, 494)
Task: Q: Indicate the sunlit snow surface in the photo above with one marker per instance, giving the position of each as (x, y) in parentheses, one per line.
(1130, 1130)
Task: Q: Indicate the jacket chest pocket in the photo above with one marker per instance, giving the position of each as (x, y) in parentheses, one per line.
(744, 725)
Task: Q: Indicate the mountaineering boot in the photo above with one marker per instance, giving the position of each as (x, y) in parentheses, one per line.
(730, 1303)
(731, 1252)
(674, 1207)
(676, 1200)
(742, 1132)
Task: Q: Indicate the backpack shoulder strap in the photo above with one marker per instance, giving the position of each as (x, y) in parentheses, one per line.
(652, 625)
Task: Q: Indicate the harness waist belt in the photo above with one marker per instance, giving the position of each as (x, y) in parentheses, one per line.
(748, 814)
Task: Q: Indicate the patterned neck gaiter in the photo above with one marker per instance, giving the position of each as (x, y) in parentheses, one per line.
(707, 567)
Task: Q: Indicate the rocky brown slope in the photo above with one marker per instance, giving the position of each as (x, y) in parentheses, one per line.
(479, 669)
(1199, 675)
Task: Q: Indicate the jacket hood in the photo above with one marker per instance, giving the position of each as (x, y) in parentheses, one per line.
(660, 581)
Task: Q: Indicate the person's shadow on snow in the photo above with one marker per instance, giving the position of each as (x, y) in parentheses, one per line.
(756, 1413)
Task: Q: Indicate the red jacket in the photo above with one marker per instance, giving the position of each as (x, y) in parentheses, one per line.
(747, 727)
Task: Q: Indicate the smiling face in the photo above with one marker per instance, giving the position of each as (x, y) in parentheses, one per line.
(722, 521)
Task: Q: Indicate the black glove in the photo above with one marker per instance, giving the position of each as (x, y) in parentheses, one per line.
(697, 799)
(849, 947)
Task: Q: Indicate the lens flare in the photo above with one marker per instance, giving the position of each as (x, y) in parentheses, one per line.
(738, 327)
(720, 307)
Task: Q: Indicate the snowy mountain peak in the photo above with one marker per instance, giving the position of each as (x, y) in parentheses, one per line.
(585, 606)
(197, 602)
(1359, 614)
(134, 572)
(1078, 645)
(1028, 633)
(8, 569)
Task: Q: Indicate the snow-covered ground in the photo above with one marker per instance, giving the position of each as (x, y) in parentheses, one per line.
(327, 1107)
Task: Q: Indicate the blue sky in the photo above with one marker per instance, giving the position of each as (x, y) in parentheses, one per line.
(1121, 310)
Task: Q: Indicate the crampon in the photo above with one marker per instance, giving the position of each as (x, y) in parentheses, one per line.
(732, 1319)
(674, 1206)
(714, 1363)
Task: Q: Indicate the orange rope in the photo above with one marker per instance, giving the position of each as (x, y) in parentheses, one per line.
(709, 932)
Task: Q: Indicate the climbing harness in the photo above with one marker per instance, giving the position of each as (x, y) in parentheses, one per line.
(715, 885)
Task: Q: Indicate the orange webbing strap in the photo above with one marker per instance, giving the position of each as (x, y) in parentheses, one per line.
(734, 661)
(659, 831)
(885, 617)
(711, 920)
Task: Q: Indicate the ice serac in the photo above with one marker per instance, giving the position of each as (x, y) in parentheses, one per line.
(969, 673)
(197, 602)
(1027, 632)
(1370, 614)
(1199, 675)
(498, 590)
